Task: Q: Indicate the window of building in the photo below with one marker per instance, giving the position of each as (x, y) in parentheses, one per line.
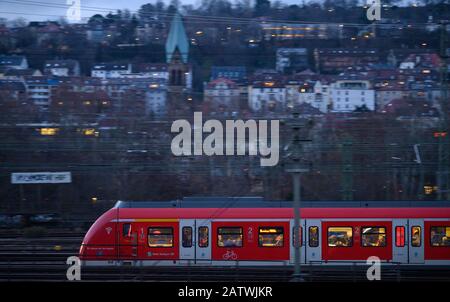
(400, 236)
(416, 236)
(373, 236)
(126, 230)
(160, 237)
(271, 236)
(203, 236)
(229, 237)
(440, 236)
(313, 236)
(340, 236)
(186, 236)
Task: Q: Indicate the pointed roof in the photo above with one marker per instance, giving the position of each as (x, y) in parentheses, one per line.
(177, 39)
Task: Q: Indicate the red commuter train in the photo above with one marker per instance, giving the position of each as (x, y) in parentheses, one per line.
(261, 233)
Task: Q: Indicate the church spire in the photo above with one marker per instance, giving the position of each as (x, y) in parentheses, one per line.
(177, 44)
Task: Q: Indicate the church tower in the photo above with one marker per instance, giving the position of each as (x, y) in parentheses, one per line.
(177, 56)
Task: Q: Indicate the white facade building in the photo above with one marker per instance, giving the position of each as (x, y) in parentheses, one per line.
(62, 68)
(348, 95)
(267, 95)
(110, 70)
(39, 90)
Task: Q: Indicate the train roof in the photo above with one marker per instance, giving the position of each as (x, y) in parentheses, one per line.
(166, 214)
(258, 202)
(257, 208)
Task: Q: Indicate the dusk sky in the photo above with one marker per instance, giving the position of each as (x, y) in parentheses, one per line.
(45, 9)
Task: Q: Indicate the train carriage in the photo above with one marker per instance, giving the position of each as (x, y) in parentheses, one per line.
(262, 233)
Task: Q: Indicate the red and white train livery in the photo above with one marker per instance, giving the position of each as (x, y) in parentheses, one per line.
(140, 234)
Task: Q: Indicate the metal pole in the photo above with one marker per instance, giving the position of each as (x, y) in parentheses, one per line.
(297, 238)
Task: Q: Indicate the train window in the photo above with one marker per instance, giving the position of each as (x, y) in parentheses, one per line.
(270, 237)
(340, 236)
(313, 236)
(400, 236)
(229, 237)
(416, 236)
(186, 236)
(126, 230)
(160, 237)
(203, 236)
(294, 242)
(440, 236)
(373, 236)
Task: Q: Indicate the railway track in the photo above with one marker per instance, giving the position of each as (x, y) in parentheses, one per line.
(56, 271)
(44, 259)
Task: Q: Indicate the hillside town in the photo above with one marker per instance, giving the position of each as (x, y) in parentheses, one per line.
(98, 98)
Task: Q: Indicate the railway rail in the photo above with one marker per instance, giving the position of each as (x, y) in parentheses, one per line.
(44, 259)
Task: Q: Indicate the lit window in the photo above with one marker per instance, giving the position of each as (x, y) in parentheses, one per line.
(373, 236)
(203, 236)
(313, 236)
(187, 236)
(340, 236)
(88, 132)
(440, 236)
(48, 131)
(160, 237)
(416, 236)
(400, 236)
(271, 237)
(229, 237)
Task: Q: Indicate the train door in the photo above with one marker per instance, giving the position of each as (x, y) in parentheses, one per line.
(203, 241)
(400, 240)
(128, 242)
(302, 242)
(416, 241)
(187, 240)
(312, 240)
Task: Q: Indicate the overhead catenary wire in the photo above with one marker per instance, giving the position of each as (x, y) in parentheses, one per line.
(210, 19)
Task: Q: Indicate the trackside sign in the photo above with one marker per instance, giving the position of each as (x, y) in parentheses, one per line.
(41, 178)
